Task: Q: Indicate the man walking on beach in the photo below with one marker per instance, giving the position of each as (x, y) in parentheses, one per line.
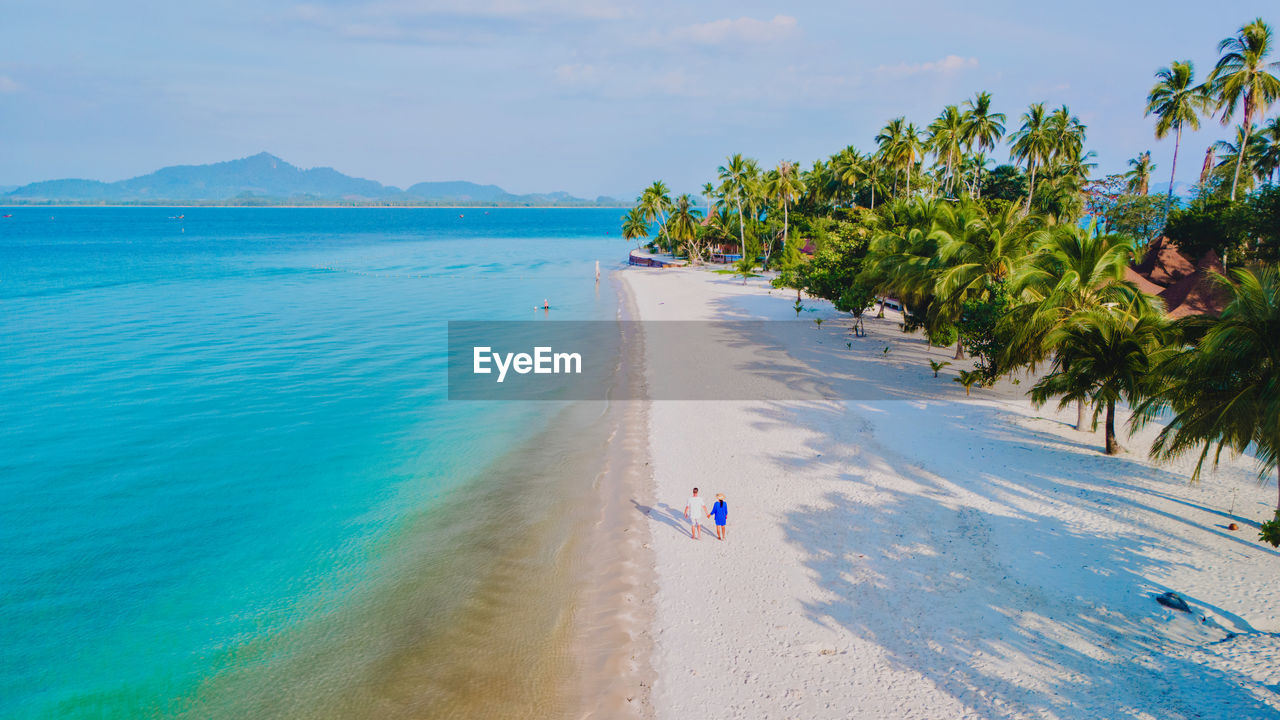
(695, 510)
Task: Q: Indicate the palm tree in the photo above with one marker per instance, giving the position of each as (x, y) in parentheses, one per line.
(684, 226)
(735, 181)
(982, 128)
(1103, 356)
(1072, 269)
(900, 145)
(709, 192)
(946, 140)
(1224, 389)
(1032, 144)
(635, 225)
(1243, 152)
(1243, 76)
(1139, 175)
(890, 141)
(909, 148)
(784, 186)
(1269, 157)
(655, 201)
(1066, 134)
(1177, 103)
(978, 249)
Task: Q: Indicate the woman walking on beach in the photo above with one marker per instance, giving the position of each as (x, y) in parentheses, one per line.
(720, 510)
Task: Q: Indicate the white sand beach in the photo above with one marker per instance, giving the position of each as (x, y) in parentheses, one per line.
(914, 553)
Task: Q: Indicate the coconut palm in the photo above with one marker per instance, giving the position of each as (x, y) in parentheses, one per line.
(635, 225)
(1223, 389)
(946, 140)
(1060, 195)
(1177, 102)
(900, 145)
(785, 186)
(1139, 174)
(1244, 77)
(1032, 144)
(1103, 356)
(1243, 152)
(735, 186)
(977, 249)
(655, 202)
(683, 226)
(982, 128)
(1269, 156)
(1072, 269)
(889, 140)
(1066, 133)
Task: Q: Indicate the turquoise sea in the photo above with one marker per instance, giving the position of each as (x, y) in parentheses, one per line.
(225, 445)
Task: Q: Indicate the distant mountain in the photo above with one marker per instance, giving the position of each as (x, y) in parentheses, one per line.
(456, 190)
(265, 179)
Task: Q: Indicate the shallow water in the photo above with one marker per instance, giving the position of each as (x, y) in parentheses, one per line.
(230, 483)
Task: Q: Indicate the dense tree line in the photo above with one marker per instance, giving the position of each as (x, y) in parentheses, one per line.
(1022, 265)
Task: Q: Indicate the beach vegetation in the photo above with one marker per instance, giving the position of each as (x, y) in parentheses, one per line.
(967, 379)
(1222, 385)
(1102, 357)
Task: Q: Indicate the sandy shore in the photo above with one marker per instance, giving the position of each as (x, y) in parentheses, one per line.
(908, 552)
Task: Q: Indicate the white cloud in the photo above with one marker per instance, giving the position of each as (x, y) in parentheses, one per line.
(8, 85)
(741, 30)
(948, 65)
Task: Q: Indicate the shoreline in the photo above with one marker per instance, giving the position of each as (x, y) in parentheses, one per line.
(615, 612)
(910, 551)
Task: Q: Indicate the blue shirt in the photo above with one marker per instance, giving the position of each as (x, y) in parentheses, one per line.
(721, 511)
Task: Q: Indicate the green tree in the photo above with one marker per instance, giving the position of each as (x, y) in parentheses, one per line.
(1244, 77)
(1071, 270)
(1103, 356)
(1139, 174)
(635, 226)
(683, 226)
(946, 141)
(735, 187)
(785, 186)
(1006, 183)
(982, 129)
(1223, 389)
(1177, 102)
(1032, 144)
(655, 202)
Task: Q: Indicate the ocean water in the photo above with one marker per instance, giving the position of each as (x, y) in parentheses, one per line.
(230, 483)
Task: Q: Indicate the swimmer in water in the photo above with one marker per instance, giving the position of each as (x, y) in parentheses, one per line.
(545, 305)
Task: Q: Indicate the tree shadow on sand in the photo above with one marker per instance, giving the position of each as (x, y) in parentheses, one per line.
(971, 566)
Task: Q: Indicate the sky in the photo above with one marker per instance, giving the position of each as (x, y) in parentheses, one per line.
(593, 97)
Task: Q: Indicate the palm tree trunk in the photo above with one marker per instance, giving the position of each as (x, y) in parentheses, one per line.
(978, 187)
(1080, 416)
(1177, 141)
(1113, 447)
(784, 227)
(742, 233)
(1278, 490)
(1031, 189)
(1244, 143)
(873, 193)
(959, 350)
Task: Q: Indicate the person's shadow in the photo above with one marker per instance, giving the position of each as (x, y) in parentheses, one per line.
(666, 515)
